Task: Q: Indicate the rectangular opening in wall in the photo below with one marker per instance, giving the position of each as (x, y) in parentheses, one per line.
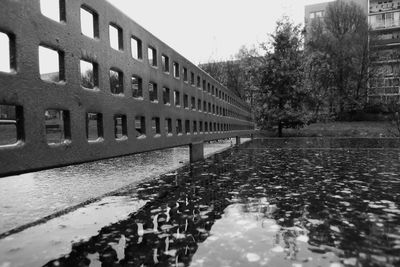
(153, 94)
(136, 48)
(140, 126)
(57, 123)
(205, 127)
(165, 63)
(53, 9)
(89, 22)
(177, 98)
(178, 126)
(152, 56)
(176, 70)
(137, 87)
(120, 128)
(187, 126)
(204, 86)
(7, 52)
(198, 81)
(116, 37)
(199, 104)
(11, 124)
(201, 126)
(208, 87)
(116, 82)
(191, 78)
(212, 89)
(155, 126)
(168, 126)
(51, 64)
(185, 74)
(166, 96)
(89, 74)
(193, 103)
(195, 127)
(209, 107)
(94, 126)
(204, 106)
(185, 101)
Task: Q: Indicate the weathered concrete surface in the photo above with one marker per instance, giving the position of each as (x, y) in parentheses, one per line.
(23, 88)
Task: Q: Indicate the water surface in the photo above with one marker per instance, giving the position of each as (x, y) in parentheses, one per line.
(277, 202)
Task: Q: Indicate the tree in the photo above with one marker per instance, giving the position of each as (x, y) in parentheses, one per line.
(228, 73)
(282, 96)
(340, 42)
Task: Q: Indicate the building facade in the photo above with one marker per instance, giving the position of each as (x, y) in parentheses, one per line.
(384, 21)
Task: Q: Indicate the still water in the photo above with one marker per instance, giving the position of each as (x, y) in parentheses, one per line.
(276, 202)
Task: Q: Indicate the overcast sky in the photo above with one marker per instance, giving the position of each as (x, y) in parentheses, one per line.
(204, 30)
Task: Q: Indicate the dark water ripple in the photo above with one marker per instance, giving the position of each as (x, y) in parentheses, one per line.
(298, 206)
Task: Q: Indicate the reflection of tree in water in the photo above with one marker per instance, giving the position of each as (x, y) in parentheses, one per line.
(304, 192)
(167, 230)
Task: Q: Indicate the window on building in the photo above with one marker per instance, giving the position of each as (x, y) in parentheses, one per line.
(166, 96)
(155, 126)
(185, 74)
(89, 22)
(53, 9)
(140, 126)
(177, 99)
(153, 94)
(176, 70)
(137, 87)
(57, 123)
(152, 56)
(194, 127)
(193, 103)
(165, 63)
(11, 125)
(94, 126)
(7, 52)
(178, 126)
(116, 37)
(89, 74)
(168, 126)
(120, 128)
(136, 48)
(116, 81)
(187, 126)
(51, 64)
(185, 101)
(192, 78)
(198, 81)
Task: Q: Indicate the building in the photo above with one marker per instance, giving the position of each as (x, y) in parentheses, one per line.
(384, 20)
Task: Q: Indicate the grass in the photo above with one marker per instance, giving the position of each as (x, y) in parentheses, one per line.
(342, 129)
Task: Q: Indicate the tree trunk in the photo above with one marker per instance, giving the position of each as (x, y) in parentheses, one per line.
(280, 126)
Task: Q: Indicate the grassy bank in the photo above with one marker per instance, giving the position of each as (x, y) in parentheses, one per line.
(342, 129)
